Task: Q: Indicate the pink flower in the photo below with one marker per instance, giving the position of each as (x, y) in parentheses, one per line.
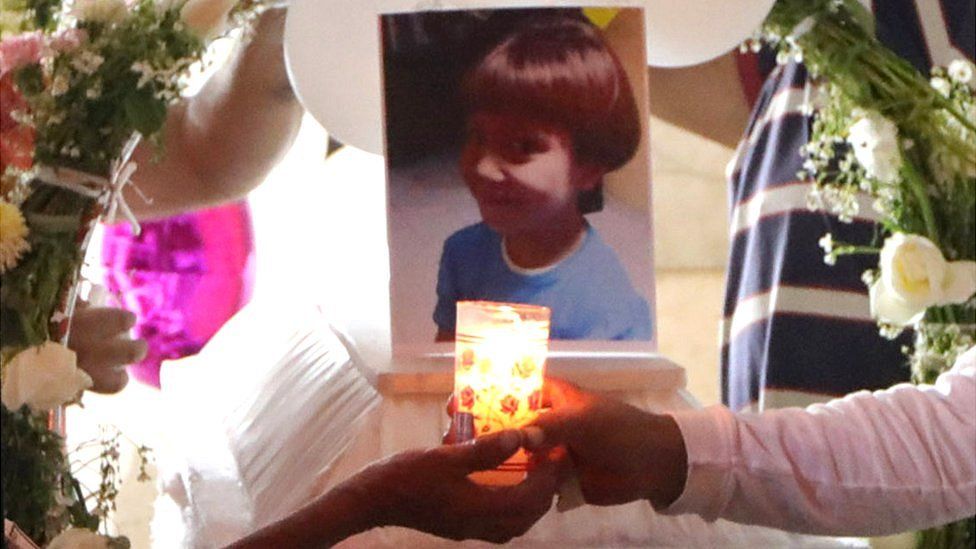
(16, 140)
(20, 50)
(68, 40)
(17, 148)
(10, 100)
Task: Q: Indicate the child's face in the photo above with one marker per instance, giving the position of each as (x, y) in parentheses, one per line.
(522, 172)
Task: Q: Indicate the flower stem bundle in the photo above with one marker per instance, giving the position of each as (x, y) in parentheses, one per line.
(908, 141)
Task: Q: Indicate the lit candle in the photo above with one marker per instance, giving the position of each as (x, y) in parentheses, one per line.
(499, 367)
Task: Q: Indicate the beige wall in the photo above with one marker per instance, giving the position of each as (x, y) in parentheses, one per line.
(690, 247)
(688, 191)
(690, 204)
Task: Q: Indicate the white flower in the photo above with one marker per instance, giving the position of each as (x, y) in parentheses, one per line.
(826, 242)
(941, 85)
(915, 276)
(961, 71)
(13, 236)
(99, 11)
(815, 200)
(78, 538)
(874, 139)
(206, 18)
(87, 62)
(60, 84)
(43, 377)
(95, 91)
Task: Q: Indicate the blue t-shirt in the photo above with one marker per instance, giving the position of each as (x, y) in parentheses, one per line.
(589, 292)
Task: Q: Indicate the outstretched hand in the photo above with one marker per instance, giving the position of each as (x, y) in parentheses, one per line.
(621, 453)
(429, 490)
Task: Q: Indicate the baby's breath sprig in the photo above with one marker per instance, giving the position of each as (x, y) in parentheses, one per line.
(101, 457)
(833, 249)
(882, 130)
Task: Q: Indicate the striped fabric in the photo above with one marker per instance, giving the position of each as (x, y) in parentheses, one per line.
(797, 331)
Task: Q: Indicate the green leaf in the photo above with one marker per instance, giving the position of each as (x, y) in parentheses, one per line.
(30, 80)
(144, 112)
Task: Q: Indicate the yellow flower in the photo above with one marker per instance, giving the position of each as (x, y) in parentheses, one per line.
(13, 236)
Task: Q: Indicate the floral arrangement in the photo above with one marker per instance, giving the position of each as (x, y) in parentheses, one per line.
(82, 82)
(907, 141)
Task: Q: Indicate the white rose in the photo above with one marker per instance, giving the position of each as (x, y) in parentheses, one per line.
(43, 377)
(100, 11)
(206, 18)
(874, 139)
(915, 276)
(961, 71)
(78, 538)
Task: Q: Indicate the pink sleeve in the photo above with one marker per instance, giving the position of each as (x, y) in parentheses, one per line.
(866, 464)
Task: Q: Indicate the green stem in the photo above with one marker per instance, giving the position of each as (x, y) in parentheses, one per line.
(949, 315)
(856, 250)
(917, 186)
(31, 336)
(846, 50)
(960, 117)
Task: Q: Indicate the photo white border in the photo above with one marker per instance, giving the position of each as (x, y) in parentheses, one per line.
(623, 353)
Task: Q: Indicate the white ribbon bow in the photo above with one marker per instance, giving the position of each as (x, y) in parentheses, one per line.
(121, 171)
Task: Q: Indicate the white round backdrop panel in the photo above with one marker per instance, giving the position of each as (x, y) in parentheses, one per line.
(332, 49)
(688, 32)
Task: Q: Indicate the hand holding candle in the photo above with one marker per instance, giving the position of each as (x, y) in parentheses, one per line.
(500, 356)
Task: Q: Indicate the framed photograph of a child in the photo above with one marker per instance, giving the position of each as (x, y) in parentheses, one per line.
(518, 171)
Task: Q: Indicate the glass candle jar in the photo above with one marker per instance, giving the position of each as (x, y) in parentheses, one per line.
(499, 367)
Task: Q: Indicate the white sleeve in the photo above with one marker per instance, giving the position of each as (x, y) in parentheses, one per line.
(866, 464)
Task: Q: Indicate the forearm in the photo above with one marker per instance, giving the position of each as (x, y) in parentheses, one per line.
(222, 142)
(342, 512)
(867, 464)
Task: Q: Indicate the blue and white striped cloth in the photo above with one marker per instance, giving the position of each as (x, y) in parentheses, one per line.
(795, 330)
